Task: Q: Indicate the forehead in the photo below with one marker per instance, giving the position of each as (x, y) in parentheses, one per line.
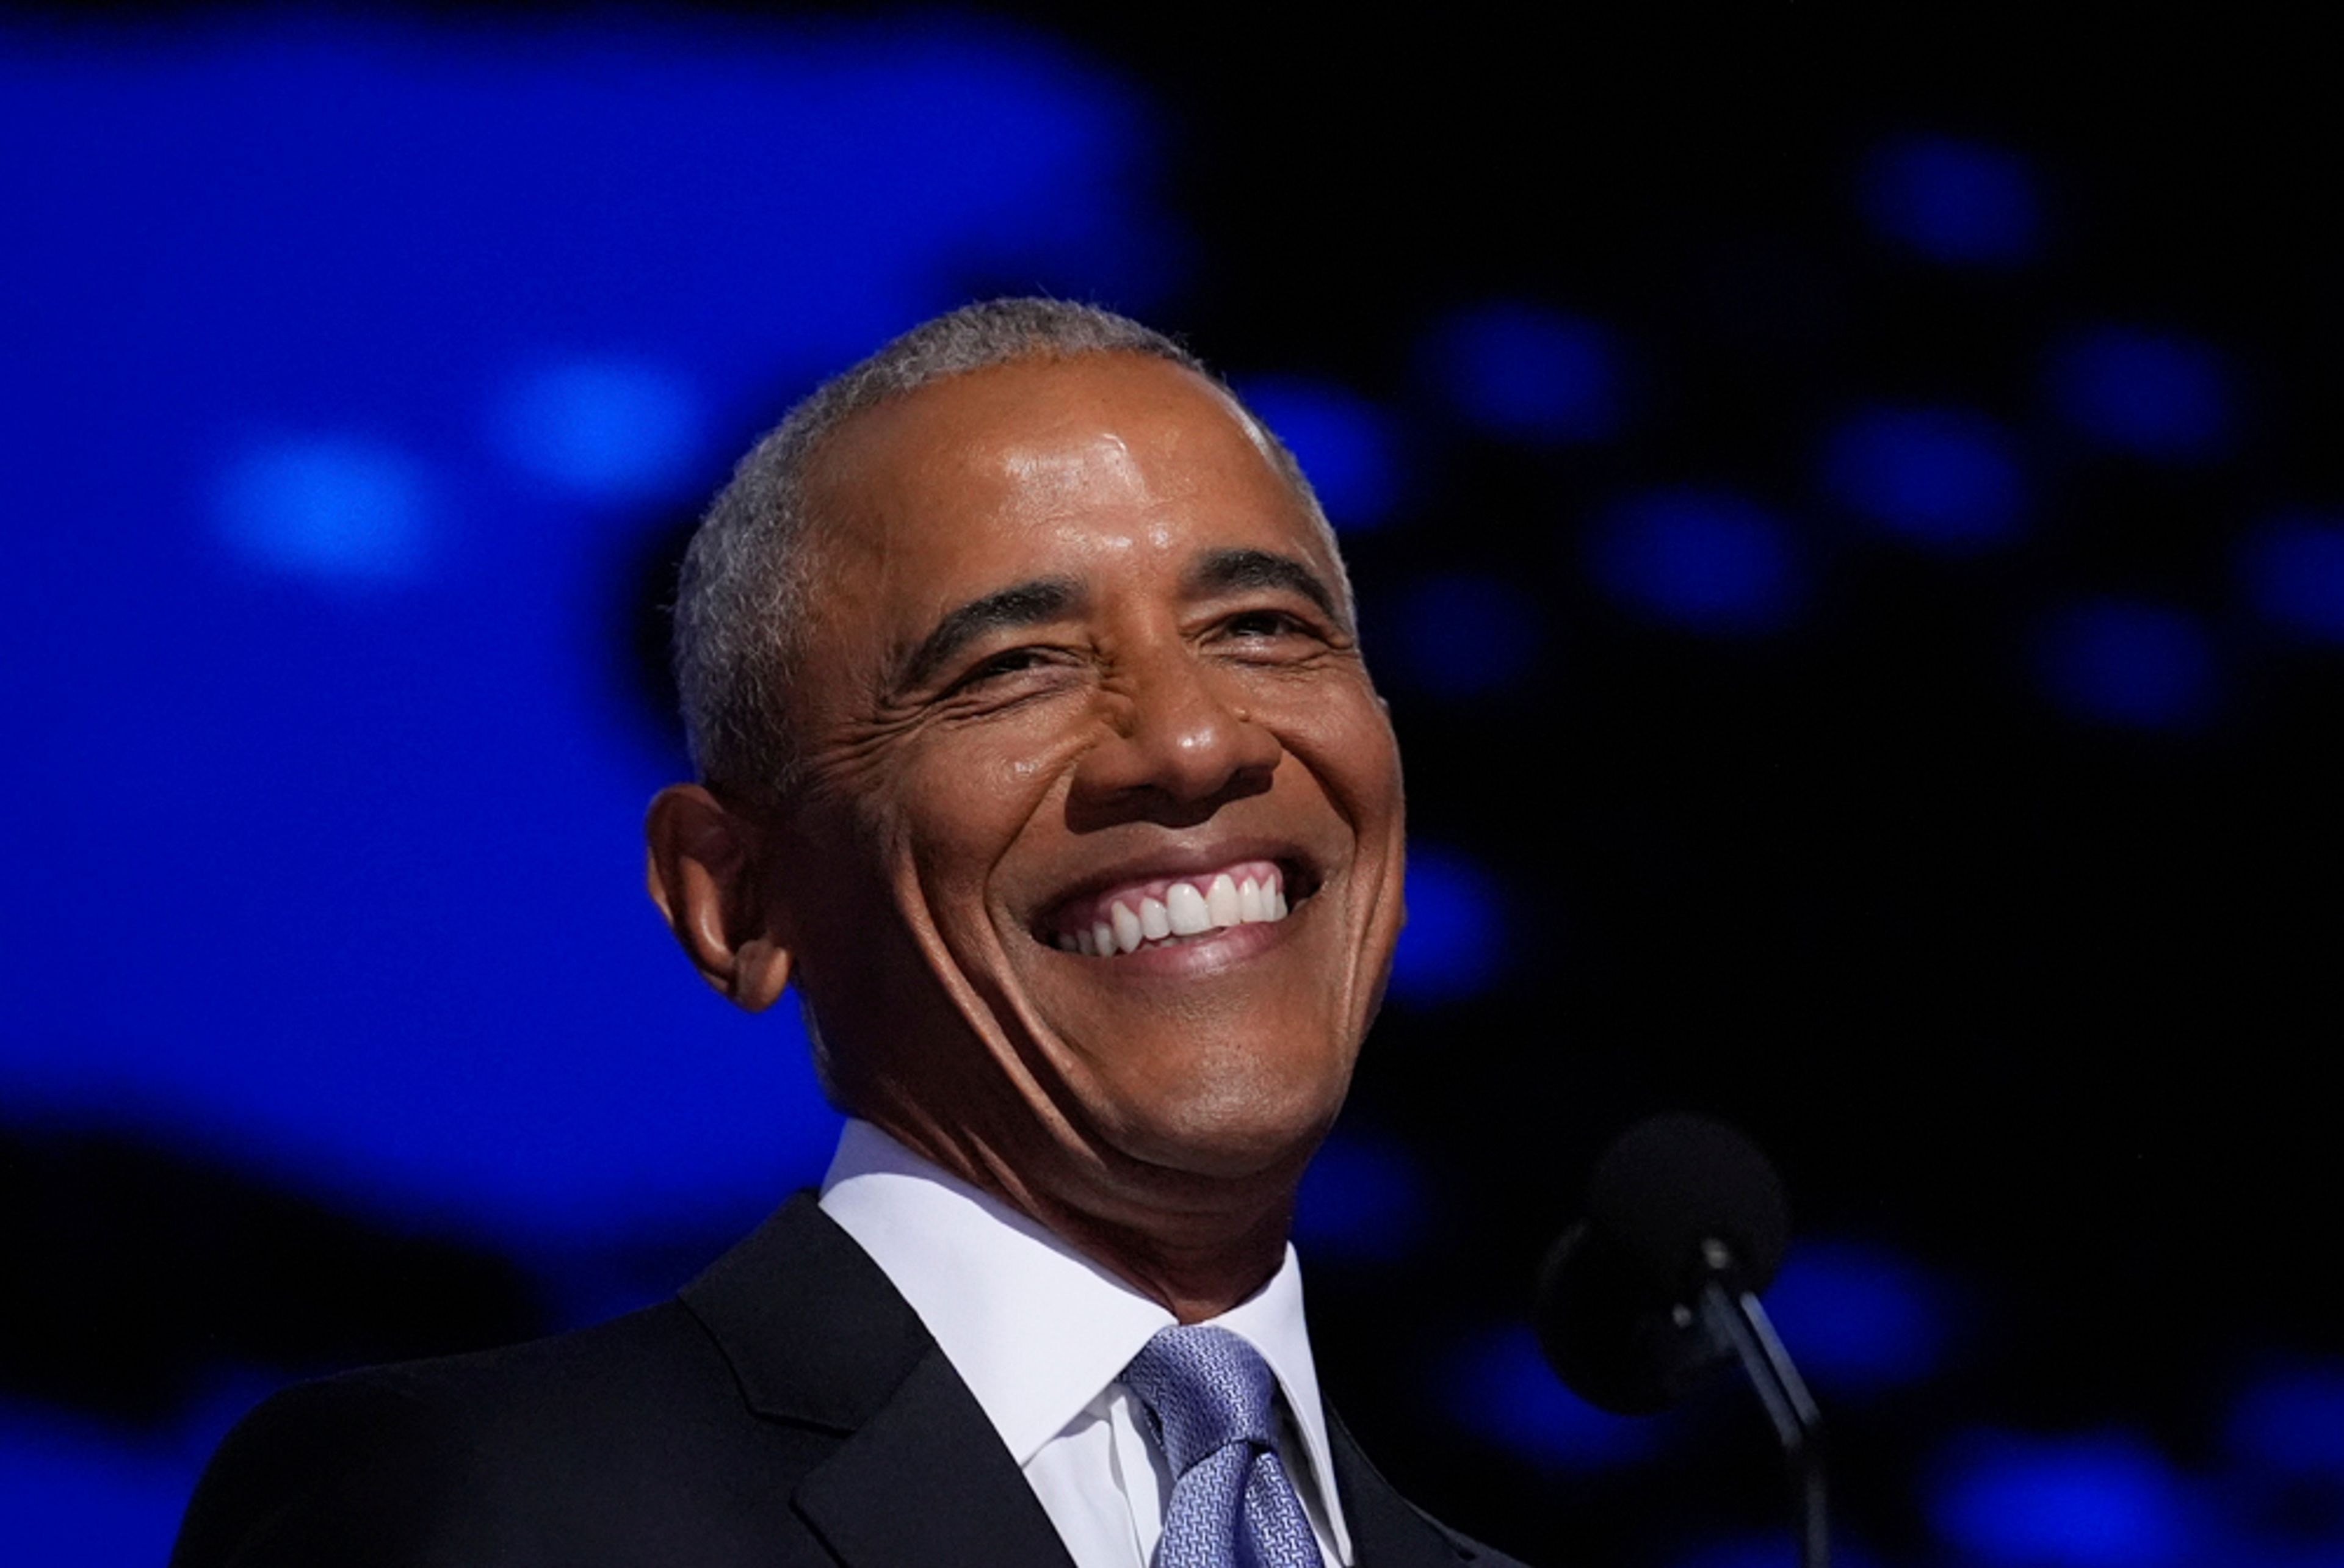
(1103, 464)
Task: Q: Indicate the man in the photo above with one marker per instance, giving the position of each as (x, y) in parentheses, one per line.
(1037, 749)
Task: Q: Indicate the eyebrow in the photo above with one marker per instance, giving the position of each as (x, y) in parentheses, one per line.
(1021, 604)
(1223, 570)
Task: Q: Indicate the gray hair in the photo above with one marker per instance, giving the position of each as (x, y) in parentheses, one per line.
(749, 578)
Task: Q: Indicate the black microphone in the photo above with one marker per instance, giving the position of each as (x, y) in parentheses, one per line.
(1614, 1295)
(1640, 1302)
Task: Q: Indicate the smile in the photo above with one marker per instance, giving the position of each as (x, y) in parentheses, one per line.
(1167, 912)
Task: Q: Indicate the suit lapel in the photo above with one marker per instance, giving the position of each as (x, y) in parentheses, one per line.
(1387, 1532)
(927, 1485)
(818, 1337)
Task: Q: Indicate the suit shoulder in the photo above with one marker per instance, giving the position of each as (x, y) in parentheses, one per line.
(329, 1471)
(464, 1458)
(646, 1364)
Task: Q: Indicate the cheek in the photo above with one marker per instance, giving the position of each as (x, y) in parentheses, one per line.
(1347, 741)
(969, 805)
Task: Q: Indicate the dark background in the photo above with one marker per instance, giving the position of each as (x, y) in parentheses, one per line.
(2020, 961)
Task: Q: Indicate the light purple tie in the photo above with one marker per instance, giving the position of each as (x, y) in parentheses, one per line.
(1207, 1394)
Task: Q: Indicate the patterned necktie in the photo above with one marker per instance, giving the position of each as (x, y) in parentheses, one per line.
(1208, 1395)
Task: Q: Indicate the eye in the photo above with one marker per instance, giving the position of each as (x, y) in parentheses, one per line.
(1010, 662)
(1264, 623)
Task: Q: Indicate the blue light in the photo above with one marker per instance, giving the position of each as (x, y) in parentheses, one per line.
(1344, 442)
(1361, 1198)
(336, 510)
(1466, 635)
(391, 240)
(1527, 373)
(1942, 478)
(1859, 1319)
(2007, 1500)
(1962, 203)
(601, 427)
(2291, 1422)
(2151, 395)
(314, 297)
(1500, 1386)
(2125, 663)
(2293, 572)
(1454, 944)
(1704, 560)
(71, 1494)
(1768, 1549)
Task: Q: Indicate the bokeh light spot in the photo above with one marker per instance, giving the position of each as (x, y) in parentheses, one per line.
(1467, 635)
(1962, 203)
(602, 427)
(2129, 663)
(1704, 559)
(1498, 1385)
(1942, 478)
(1858, 1319)
(1362, 1197)
(1454, 945)
(2291, 1422)
(333, 509)
(2108, 1501)
(2292, 569)
(1344, 442)
(2153, 395)
(1767, 1549)
(1527, 373)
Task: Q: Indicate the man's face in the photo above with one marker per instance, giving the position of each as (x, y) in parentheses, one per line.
(1076, 645)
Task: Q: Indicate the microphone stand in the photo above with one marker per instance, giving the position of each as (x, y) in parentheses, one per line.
(1734, 1317)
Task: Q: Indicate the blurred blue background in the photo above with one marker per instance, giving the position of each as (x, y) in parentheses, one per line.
(1854, 559)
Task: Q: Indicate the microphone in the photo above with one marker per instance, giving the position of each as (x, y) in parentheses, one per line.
(1642, 1301)
(1675, 1200)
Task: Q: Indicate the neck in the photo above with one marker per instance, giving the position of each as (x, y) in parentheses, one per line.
(1197, 1271)
(1198, 1244)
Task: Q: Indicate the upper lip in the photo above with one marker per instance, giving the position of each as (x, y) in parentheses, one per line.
(1175, 861)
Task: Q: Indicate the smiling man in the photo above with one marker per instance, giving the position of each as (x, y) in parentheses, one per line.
(1037, 752)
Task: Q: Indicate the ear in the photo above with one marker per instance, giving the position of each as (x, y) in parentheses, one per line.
(705, 874)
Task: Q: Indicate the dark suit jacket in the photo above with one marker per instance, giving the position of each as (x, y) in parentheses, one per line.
(787, 1408)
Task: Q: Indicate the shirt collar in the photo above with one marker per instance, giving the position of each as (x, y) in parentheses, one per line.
(1036, 1329)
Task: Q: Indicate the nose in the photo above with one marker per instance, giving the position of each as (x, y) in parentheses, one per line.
(1180, 744)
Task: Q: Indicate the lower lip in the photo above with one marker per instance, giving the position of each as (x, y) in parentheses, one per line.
(1206, 955)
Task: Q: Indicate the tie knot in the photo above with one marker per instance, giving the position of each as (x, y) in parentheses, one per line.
(1206, 1388)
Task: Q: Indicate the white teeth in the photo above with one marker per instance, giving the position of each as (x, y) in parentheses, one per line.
(1182, 911)
(1155, 923)
(1221, 902)
(1189, 915)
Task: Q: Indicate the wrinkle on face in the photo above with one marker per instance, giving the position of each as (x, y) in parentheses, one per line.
(943, 813)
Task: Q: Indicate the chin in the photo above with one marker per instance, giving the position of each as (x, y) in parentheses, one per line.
(1233, 1126)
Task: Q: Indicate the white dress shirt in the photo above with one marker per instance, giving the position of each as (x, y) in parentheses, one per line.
(1040, 1334)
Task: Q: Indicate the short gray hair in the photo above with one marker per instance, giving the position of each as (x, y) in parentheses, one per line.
(748, 578)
